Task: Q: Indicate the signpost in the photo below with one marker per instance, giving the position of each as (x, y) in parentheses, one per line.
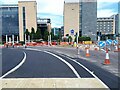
(109, 42)
(72, 32)
(115, 41)
(101, 44)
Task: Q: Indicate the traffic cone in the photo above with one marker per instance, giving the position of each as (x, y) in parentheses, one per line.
(116, 48)
(87, 52)
(107, 61)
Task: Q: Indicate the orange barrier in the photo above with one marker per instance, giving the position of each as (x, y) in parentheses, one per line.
(64, 43)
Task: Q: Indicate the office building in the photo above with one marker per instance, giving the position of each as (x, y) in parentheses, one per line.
(10, 22)
(81, 18)
(44, 24)
(56, 31)
(106, 25)
(27, 17)
(17, 18)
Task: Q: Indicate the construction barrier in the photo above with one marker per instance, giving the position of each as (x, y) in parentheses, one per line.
(87, 42)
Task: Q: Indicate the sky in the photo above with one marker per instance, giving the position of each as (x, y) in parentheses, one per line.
(53, 9)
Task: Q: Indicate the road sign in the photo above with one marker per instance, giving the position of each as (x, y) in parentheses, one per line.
(115, 41)
(109, 42)
(101, 44)
(72, 32)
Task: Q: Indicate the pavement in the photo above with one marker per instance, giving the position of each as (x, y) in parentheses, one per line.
(54, 83)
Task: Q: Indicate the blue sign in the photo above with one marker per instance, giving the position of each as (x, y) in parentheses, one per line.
(115, 41)
(109, 42)
(101, 44)
(72, 32)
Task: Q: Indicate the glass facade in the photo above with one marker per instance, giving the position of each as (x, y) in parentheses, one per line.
(10, 24)
(24, 20)
(88, 18)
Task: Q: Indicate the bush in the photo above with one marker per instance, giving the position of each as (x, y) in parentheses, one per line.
(22, 42)
(80, 39)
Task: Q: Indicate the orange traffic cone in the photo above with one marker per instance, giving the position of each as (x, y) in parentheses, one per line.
(107, 61)
(87, 52)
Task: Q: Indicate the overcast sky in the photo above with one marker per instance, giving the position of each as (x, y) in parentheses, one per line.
(54, 9)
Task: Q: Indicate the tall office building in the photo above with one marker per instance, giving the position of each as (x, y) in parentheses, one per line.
(9, 17)
(80, 17)
(27, 17)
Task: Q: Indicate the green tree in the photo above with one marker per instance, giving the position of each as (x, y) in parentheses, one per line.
(32, 34)
(38, 34)
(70, 38)
(46, 34)
(27, 33)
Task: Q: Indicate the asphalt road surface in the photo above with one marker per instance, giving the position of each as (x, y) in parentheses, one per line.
(42, 64)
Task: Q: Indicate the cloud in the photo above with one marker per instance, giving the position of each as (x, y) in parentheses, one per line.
(105, 13)
(54, 8)
(56, 20)
(50, 6)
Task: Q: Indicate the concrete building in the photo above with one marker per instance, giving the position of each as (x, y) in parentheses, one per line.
(71, 18)
(27, 17)
(81, 17)
(106, 25)
(9, 17)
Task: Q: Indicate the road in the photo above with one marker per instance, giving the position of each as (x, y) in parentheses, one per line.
(48, 63)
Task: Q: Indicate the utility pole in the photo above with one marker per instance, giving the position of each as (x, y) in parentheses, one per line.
(6, 41)
(48, 40)
(17, 39)
(25, 41)
(13, 40)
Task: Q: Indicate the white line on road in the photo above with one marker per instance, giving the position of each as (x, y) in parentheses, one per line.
(68, 64)
(88, 71)
(32, 49)
(15, 68)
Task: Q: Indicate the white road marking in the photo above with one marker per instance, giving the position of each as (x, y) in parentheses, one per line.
(32, 49)
(103, 50)
(15, 68)
(91, 72)
(68, 64)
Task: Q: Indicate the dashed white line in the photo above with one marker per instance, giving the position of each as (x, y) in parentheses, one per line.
(15, 68)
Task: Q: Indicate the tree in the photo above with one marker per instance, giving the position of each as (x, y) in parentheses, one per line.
(70, 38)
(32, 34)
(46, 34)
(38, 34)
(27, 33)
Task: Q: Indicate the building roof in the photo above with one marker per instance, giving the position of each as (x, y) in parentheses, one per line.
(9, 5)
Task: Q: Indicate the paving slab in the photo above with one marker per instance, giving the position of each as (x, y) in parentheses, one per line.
(52, 83)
